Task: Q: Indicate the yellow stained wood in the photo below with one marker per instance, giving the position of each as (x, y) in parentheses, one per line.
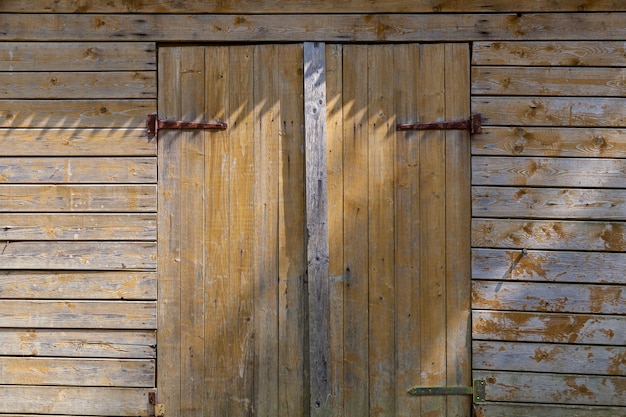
(546, 410)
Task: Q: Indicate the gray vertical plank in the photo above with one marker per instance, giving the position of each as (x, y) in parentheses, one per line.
(317, 226)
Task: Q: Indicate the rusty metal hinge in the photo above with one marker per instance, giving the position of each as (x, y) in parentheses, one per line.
(153, 125)
(477, 391)
(159, 409)
(474, 124)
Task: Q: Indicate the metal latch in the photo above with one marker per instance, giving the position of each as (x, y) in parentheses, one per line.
(477, 391)
(474, 124)
(153, 125)
(159, 409)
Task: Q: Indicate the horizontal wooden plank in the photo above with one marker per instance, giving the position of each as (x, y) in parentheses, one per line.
(50, 314)
(77, 372)
(552, 358)
(78, 85)
(548, 297)
(549, 172)
(551, 111)
(549, 266)
(488, 409)
(548, 327)
(78, 343)
(553, 203)
(93, 401)
(399, 27)
(75, 113)
(76, 142)
(549, 234)
(307, 6)
(554, 388)
(78, 255)
(78, 198)
(75, 285)
(545, 81)
(77, 56)
(17, 170)
(547, 54)
(549, 141)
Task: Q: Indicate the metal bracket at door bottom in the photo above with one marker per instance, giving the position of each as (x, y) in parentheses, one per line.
(477, 391)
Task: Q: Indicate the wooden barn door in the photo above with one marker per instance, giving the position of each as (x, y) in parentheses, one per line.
(250, 322)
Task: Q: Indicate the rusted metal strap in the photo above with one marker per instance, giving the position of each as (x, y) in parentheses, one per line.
(153, 125)
(473, 124)
(477, 391)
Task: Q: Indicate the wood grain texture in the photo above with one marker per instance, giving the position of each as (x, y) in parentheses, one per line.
(78, 85)
(549, 234)
(554, 53)
(551, 111)
(76, 142)
(551, 358)
(549, 172)
(562, 141)
(130, 344)
(51, 314)
(75, 400)
(78, 285)
(332, 27)
(78, 198)
(553, 388)
(550, 203)
(546, 410)
(77, 56)
(548, 327)
(77, 372)
(551, 266)
(548, 297)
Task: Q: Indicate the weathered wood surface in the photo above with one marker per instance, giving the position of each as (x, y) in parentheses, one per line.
(554, 388)
(558, 266)
(75, 113)
(77, 56)
(67, 285)
(327, 28)
(549, 172)
(548, 297)
(308, 6)
(547, 141)
(550, 203)
(551, 358)
(78, 85)
(76, 142)
(551, 111)
(78, 314)
(78, 198)
(540, 53)
(132, 373)
(549, 327)
(546, 81)
(546, 410)
(129, 344)
(96, 401)
(77, 255)
(78, 170)
(549, 234)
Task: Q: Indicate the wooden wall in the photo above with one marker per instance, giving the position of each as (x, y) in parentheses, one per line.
(78, 189)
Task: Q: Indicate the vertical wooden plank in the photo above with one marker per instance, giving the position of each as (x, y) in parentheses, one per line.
(241, 307)
(293, 381)
(317, 226)
(216, 184)
(169, 157)
(381, 133)
(334, 162)
(265, 235)
(458, 222)
(356, 307)
(432, 224)
(192, 229)
(407, 59)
